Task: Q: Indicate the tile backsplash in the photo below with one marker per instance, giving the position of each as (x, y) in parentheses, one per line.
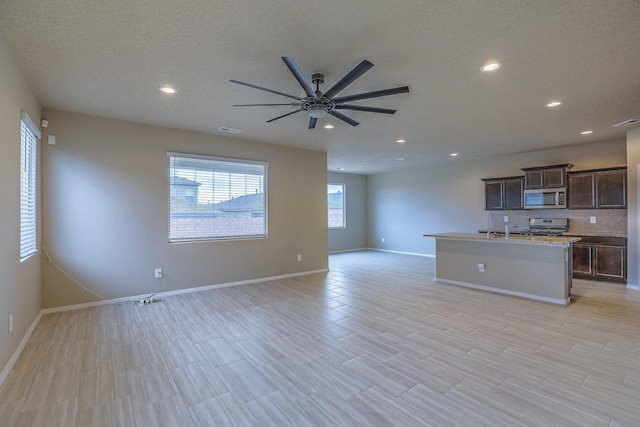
(607, 220)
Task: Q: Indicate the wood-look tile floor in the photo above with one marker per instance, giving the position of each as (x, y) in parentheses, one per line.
(372, 343)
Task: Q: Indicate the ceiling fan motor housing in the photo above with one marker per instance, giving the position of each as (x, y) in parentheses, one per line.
(317, 107)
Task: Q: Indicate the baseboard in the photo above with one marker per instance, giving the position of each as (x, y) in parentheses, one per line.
(348, 250)
(402, 252)
(14, 357)
(177, 292)
(560, 301)
(634, 287)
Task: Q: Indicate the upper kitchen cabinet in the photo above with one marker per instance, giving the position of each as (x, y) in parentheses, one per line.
(503, 193)
(582, 190)
(546, 176)
(611, 189)
(598, 189)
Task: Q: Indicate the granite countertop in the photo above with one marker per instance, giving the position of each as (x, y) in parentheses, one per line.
(513, 239)
(594, 234)
(568, 233)
(501, 231)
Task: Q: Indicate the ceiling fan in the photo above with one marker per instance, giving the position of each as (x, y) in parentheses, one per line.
(318, 104)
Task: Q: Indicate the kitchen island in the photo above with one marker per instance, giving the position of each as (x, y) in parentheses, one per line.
(536, 267)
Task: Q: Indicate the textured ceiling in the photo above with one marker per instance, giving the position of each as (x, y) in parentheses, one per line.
(109, 57)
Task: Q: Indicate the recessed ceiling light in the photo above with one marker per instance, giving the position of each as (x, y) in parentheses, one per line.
(401, 141)
(340, 169)
(453, 154)
(491, 66)
(168, 90)
(586, 132)
(329, 126)
(554, 104)
(399, 158)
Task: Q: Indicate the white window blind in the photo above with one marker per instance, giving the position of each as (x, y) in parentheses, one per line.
(335, 198)
(29, 135)
(214, 198)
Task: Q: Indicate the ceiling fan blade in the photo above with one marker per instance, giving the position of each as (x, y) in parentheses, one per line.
(344, 118)
(265, 89)
(365, 108)
(374, 94)
(261, 105)
(312, 122)
(299, 75)
(284, 115)
(351, 77)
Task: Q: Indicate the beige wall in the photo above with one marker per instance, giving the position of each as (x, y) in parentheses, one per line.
(19, 282)
(105, 185)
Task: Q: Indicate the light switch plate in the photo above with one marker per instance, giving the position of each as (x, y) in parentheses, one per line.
(506, 218)
(592, 219)
(481, 267)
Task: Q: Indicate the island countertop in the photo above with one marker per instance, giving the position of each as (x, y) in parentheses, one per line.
(512, 239)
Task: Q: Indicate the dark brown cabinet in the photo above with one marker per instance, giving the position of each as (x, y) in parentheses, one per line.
(582, 260)
(545, 177)
(503, 193)
(600, 258)
(582, 190)
(598, 189)
(611, 189)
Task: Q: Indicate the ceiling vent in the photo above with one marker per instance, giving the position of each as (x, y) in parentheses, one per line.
(626, 123)
(229, 130)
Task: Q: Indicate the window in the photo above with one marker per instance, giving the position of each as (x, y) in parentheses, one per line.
(29, 135)
(213, 198)
(335, 196)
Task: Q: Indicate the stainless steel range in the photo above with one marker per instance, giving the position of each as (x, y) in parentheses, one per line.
(547, 226)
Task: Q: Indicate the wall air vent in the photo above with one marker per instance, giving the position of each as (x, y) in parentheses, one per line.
(626, 123)
(229, 130)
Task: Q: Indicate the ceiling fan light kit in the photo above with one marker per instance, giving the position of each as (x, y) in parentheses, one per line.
(318, 104)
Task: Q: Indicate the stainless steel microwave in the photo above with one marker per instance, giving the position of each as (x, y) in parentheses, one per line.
(546, 198)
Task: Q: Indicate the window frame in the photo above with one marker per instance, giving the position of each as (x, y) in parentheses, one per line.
(29, 136)
(230, 237)
(344, 205)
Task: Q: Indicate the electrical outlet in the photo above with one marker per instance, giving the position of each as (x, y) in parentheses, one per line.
(158, 273)
(505, 219)
(383, 240)
(481, 267)
(299, 257)
(10, 323)
(592, 219)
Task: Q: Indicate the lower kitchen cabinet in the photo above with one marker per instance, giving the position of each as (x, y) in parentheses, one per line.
(600, 258)
(582, 260)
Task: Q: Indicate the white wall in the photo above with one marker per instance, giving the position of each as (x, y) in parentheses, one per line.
(105, 197)
(633, 175)
(404, 205)
(19, 282)
(354, 236)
